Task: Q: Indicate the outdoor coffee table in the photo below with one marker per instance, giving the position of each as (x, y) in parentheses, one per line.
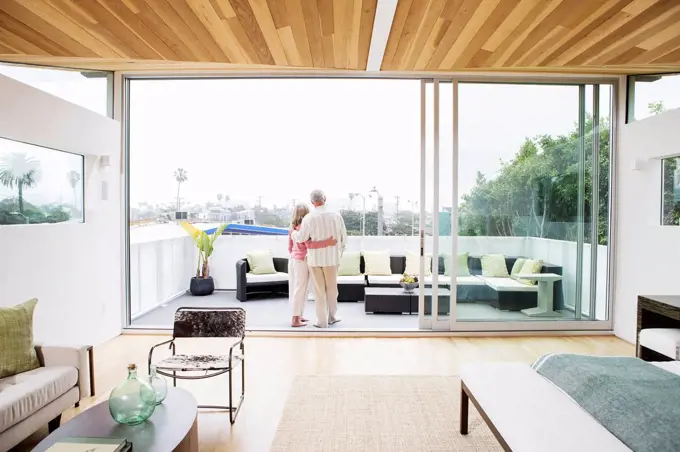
(387, 300)
(545, 294)
(172, 427)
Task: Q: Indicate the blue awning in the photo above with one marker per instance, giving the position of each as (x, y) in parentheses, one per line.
(250, 229)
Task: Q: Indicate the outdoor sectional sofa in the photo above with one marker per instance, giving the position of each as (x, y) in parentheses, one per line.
(504, 294)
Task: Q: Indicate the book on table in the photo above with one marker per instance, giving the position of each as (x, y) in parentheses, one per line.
(84, 444)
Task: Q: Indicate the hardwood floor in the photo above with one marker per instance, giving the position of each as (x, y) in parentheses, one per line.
(272, 364)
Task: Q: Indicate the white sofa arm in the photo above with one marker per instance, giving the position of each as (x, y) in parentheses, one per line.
(80, 357)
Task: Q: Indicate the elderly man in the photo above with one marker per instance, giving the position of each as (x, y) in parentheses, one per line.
(323, 262)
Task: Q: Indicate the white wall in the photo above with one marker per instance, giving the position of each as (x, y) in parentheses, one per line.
(646, 252)
(73, 269)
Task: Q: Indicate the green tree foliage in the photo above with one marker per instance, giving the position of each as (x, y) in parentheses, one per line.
(656, 108)
(535, 193)
(21, 171)
(671, 199)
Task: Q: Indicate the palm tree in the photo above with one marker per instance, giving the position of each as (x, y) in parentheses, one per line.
(21, 171)
(219, 197)
(74, 178)
(181, 175)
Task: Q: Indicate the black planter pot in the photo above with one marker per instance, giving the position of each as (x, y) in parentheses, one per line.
(200, 286)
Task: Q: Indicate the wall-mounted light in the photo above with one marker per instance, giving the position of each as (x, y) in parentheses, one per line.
(638, 164)
(104, 162)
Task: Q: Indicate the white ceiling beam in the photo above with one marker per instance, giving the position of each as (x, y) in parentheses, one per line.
(384, 15)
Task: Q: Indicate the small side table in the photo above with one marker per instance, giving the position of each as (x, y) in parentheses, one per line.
(546, 282)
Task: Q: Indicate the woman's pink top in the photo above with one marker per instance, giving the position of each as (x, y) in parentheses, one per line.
(298, 250)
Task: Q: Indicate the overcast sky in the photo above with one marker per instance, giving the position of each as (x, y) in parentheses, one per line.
(279, 138)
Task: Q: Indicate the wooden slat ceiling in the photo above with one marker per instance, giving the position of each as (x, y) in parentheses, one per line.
(590, 36)
(444, 35)
(300, 33)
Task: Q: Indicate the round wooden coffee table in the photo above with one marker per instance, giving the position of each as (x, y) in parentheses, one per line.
(172, 427)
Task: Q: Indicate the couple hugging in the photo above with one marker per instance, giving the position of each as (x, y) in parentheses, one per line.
(316, 241)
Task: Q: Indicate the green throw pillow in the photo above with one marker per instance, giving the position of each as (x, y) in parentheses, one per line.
(261, 262)
(517, 267)
(17, 351)
(350, 264)
(493, 266)
(530, 266)
(463, 269)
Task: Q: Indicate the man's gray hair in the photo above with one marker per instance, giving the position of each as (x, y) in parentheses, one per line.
(317, 196)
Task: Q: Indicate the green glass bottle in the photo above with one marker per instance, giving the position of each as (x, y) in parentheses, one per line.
(159, 385)
(133, 401)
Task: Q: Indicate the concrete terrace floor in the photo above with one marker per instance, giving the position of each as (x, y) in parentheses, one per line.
(273, 313)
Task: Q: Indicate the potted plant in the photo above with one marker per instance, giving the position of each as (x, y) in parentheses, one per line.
(202, 283)
(408, 282)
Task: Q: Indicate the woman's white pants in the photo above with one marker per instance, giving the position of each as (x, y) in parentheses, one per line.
(298, 285)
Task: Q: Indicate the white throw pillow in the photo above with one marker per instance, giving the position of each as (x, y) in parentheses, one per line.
(377, 263)
(413, 264)
(261, 262)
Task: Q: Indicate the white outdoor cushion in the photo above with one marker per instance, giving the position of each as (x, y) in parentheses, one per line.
(442, 279)
(507, 285)
(471, 280)
(520, 402)
(378, 279)
(377, 262)
(351, 279)
(274, 277)
(23, 394)
(663, 340)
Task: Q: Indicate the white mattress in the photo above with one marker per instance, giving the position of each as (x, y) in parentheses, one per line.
(671, 366)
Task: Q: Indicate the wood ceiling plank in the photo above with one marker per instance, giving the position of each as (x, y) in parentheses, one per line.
(268, 27)
(312, 17)
(517, 36)
(326, 12)
(593, 22)
(353, 52)
(635, 36)
(118, 29)
(18, 28)
(19, 44)
(289, 46)
(297, 20)
(220, 32)
(45, 28)
(251, 27)
(638, 6)
(660, 38)
(555, 35)
(279, 13)
(6, 50)
(540, 30)
(137, 25)
(196, 28)
(657, 52)
(670, 58)
(510, 24)
(151, 18)
(223, 9)
(455, 28)
(488, 27)
(245, 46)
(628, 55)
(430, 17)
(479, 60)
(339, 33)
(408, 34)
(438, 31)
(654, 14)
(172, 19)
(474, 28)
(400, 16)
(368, 8)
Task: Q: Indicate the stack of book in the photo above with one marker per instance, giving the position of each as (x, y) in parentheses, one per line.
(91, 445)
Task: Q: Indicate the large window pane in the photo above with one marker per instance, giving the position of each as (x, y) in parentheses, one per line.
(249, 150)
(88, 89)
(649, 95)
(525, 177)
(39, 185)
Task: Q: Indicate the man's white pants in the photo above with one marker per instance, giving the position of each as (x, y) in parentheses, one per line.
(325, 284)
(298, 284)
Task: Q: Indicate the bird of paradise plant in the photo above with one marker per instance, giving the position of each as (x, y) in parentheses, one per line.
(205, 243)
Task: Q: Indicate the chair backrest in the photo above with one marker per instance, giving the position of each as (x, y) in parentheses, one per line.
(210, 322)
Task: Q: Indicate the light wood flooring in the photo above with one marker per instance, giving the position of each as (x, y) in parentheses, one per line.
(273, 362)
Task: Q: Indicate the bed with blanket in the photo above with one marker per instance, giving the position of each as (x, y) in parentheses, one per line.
(566, 402)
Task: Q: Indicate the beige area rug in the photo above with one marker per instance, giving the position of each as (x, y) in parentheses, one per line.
(378, 414)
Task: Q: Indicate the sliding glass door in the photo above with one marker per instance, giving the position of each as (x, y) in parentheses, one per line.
(515, 205)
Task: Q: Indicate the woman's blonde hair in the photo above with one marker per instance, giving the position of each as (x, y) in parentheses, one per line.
(298, 214)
